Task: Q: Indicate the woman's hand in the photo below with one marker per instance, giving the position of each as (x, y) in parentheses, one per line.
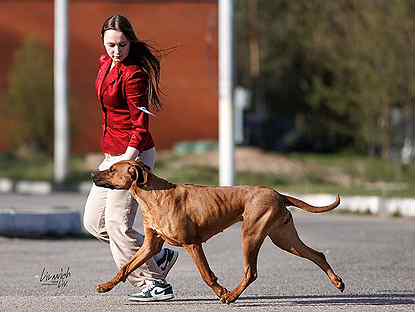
(130, 153)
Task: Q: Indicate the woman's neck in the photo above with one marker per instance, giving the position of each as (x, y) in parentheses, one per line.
(113, 65)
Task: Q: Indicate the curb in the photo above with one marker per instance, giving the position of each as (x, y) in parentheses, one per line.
(42, 224)
(40, 187)
(67, 222)
(375, 205)
(360, 204)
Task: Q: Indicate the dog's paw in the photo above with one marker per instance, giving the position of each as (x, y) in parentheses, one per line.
(223, 295)
(228, 297)
(341, 286)
(105, 287)
(338, 283)
(220, 291)
(223, 298)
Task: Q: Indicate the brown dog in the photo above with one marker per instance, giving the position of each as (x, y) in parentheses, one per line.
(187, 215)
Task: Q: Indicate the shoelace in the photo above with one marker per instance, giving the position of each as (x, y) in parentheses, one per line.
(149, 285)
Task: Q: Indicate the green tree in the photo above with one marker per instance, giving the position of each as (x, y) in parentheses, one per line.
(366, 52)
(338, 68)
(29, 97)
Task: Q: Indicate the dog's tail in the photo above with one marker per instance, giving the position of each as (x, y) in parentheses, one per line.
(291, 201)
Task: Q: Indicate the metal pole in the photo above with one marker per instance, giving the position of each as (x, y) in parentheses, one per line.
(61, 139)
(226, 118)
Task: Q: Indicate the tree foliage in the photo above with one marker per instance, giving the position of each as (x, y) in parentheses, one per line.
(29, 98)
(337, 69)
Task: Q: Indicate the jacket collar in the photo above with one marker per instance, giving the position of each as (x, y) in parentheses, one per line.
(105, 68)
(106, 63)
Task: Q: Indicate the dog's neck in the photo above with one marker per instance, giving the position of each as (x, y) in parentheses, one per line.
(155, 183)
(149, 195)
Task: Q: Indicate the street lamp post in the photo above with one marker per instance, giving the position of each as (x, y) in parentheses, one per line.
(226, 111)
(61, 138)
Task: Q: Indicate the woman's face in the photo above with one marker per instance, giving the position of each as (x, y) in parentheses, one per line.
(116, 45)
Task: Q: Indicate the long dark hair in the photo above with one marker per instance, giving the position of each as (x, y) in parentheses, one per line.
(141, 53)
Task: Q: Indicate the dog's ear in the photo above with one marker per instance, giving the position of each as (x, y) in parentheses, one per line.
(139, 173)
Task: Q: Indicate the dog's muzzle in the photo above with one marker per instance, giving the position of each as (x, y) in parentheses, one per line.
(99, 181)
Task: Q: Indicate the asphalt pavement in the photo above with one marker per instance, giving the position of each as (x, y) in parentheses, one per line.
(374, 256)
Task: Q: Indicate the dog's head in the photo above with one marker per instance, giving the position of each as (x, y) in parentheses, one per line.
(122, 175)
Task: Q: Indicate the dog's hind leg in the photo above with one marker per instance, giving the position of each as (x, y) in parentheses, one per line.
(199, 258)
(285, 236)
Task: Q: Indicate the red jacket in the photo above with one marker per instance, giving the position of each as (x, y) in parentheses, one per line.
(121, 91)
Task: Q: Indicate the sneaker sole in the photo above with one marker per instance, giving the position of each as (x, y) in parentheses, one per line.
(158, 298)
(172, 262)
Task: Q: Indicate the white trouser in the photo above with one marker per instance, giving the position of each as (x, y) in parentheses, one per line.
(109, 216)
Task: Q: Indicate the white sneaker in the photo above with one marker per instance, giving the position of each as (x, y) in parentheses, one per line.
(153, 291)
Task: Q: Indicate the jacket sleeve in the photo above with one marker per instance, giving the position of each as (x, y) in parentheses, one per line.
(135, 93)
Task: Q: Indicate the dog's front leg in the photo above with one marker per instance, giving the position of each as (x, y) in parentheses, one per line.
(151, 246)
(105, 287)
(199, 258)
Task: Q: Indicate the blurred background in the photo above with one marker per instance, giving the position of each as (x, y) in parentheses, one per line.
(324, 91)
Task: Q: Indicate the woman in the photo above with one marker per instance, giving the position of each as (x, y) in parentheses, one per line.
(127, 83)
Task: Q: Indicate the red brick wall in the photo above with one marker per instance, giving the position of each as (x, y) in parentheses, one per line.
(189, 74)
